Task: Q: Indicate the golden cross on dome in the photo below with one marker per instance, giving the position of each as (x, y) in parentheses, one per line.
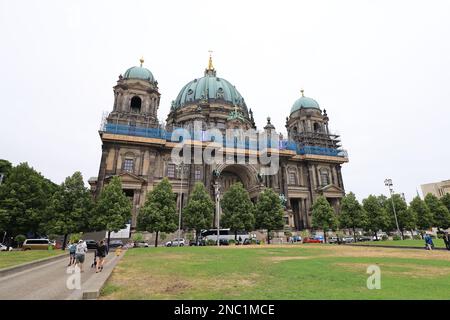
(210, 64)
(142, 61)
(302, 91)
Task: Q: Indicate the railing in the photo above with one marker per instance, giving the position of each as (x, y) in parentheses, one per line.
(158, 133)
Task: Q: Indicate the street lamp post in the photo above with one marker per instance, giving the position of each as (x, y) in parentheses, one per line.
(217, 190)
(388, 183)
(180, 168)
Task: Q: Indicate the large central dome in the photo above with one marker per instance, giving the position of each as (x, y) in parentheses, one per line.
(209, 88)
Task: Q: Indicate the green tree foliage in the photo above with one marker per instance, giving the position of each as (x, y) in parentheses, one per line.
(441, 215)
(24, 197)
(70, 208)
(446, 200)
(5, 168)
(269, 212)
(238, 210)
(198, 214)
(159, 213)
(323, 216)
(422, 212)
(137, 237)
(377, 217)
(352, 214)
(113, 209)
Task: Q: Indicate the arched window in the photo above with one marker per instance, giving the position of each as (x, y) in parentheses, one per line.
(316, 127)
(324, 177)
(128, 165)
(135, 105)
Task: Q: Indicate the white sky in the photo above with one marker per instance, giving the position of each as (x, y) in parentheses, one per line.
(381, 69)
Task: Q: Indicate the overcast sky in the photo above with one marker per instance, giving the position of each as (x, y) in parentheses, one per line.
(381, 69)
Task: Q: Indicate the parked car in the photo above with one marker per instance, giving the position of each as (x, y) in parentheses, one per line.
(364, 238)
(140, 244)
(297, 239)
(333, 240)
(37, 244)
(348, 239)
(311, 240)
(4, 247)
(115, 244)
(249, 241)
(176, 243)
(91, 244)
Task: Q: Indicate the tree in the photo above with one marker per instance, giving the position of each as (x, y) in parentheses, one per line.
(441, 216)
(24, 197)
(159, 213)
(269, 212)
(352, 215)
(5, 168)
(113, 209)
(198, 214)
(446, 200)
(323, 216)
(70, 208)
(377, 217)
(238, 210)
(423, 214)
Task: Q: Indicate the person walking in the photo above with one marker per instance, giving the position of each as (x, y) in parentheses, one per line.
(101, 254)
(72, 250)
(447, 240)
(80, 254)
(429, 242)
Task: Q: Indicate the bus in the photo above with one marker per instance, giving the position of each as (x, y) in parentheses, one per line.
(224, 234)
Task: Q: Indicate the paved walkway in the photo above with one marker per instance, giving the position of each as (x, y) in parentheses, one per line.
(48, 281)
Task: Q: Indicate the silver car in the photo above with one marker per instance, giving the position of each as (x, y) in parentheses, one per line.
(176, 243)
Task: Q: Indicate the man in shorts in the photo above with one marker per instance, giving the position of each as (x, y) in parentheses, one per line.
(72, 250)
(80, 254)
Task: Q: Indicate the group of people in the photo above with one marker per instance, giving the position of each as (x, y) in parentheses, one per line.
(77, 255)
(429, 245)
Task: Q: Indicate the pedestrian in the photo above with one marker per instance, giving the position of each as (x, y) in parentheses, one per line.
(72, 250)
(101, 254)
(80, 254)
(447, 240)
(429, 242)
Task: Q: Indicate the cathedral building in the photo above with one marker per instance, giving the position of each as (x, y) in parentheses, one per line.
(137, 145)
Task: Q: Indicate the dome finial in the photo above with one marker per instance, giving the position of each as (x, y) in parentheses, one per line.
(303, 92)
(142, 61)
(210, 64)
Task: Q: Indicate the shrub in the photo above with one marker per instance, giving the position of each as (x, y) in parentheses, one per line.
(75, 237)
(253, 241)
(20, 238)
(288, 234)
(231, 241)
(384, 237)
(210, 242)
(163, 236)
(137, 237)
(417, 237)
(396, 237)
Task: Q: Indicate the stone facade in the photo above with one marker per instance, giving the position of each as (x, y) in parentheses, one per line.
(137, 148)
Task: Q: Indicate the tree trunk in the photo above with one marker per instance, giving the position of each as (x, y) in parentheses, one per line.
(324, 236)
(354, 234)
(8, 243)
(268, 236)
(376, 236)
(63, 247)
(403, 237)
(109, 237)
(235, 236)
(156, 239)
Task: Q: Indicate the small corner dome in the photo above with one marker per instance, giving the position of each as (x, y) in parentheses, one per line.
(139, 73)
(305, 103)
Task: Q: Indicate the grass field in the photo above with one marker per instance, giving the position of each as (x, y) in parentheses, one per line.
(12, 258)
(438, 243)
(278, 272)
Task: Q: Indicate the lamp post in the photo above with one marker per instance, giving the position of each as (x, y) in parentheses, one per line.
(180, 169)
(217, 191)
(388, 183)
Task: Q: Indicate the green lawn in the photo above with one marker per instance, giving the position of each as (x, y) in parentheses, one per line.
(12, 258)
(438, 243)
(278, 272)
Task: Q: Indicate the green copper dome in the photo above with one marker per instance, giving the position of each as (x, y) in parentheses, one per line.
(209, 89)
(304, 102)
(139, 73)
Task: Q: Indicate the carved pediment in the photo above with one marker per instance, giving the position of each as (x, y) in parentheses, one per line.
(127, 178)
(331, 188)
